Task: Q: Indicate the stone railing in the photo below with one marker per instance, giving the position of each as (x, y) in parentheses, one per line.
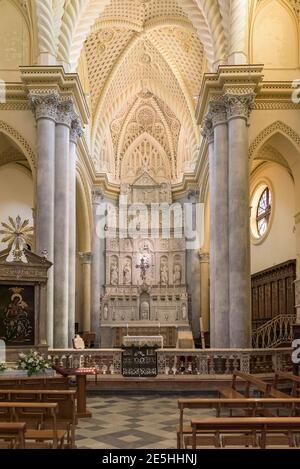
(183, 362)
(275, 332)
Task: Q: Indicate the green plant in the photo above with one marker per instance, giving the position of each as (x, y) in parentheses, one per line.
(3, 366)
(33, 362)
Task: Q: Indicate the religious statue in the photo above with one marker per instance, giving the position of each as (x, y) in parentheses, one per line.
(114, 274)
(78, 342)
(164, 274)
(127, 273)
(177, 274)
(145, 309)
(143, 266)
(183, 312)
(105, 312)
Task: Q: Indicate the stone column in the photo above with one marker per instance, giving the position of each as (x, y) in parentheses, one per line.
(75, 133)
(208, 132)
(238, 110)
(45, 107)
(86, 260)
(219, 191)
(64, 118)
(96, 277)
(204, 289)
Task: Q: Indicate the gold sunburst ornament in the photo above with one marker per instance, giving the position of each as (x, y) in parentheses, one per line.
(17, 234)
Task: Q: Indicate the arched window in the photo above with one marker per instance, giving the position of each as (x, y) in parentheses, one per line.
(263, 211)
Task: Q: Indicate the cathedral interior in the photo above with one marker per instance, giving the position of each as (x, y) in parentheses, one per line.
(150, 189)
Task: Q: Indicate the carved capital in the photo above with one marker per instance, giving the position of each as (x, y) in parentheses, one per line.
(97, 196)
(217, 110)
(65, 113)
(239, 105)
(44, 105)
(76, 130)
(85, 257)
(207, 130)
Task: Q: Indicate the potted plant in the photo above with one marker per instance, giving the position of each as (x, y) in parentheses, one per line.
(33, 363)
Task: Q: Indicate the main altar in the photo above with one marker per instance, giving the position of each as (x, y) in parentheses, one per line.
(145, 293)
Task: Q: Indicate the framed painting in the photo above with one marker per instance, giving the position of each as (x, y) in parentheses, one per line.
(17, 314)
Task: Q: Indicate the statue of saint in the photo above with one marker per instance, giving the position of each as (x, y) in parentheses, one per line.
(127, 273)
(177, 274)
(114, 274)
(105, 312)
(78, 342)
(164, 274)
(183, 312)
(145, 309)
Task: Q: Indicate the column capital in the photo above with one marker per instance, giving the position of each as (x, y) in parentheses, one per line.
(218, 112)
(97, 196)
(76, 130)
(85, 257)
(44, 105)
(204, 257)
(239, 104)
(65, 112)
(207, 130)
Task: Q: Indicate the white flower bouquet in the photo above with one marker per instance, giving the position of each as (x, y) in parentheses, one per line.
(33, 362)
(3, 366)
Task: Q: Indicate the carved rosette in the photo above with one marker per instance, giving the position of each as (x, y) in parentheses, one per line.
(65, 113)
(97, 196)
(207, 130)
(76, 130)
(239, 105)
(217, 110)
(44, 106)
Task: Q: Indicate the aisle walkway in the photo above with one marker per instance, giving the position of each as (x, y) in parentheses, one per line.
(125, 422)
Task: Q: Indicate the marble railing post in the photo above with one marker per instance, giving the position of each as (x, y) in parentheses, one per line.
(97, 260)
(204, 289)
(86, 260)
(238, 110)
(64, 118)
(45, 107)
(208, 133)
(220, 208)
(75, 133)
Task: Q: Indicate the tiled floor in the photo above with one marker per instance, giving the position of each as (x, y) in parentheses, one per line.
(132, 422)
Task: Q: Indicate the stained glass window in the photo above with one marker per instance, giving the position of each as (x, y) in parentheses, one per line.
(263, 211)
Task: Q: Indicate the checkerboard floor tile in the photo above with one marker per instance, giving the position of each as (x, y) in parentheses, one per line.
(132, 422)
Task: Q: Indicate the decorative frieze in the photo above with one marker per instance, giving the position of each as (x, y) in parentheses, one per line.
(44, 106)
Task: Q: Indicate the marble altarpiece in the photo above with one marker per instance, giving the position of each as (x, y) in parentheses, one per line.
(145, 291)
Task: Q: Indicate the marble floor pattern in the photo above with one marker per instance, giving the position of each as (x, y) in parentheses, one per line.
(132, 422)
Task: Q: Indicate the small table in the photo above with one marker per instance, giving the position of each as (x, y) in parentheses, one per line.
(81, 374)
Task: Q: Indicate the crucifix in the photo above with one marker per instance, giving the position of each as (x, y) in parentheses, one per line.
(143, 266)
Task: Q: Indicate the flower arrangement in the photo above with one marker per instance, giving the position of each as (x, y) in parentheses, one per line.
(33, 362)
(3, 366)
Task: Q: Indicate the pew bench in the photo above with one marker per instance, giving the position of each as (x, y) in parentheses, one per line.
(33, 414)
(294, 379)
(267, 407)
(254, 431)
(12, 435)
(65, 398)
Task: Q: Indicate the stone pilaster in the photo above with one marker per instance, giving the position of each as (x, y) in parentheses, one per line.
(238, 107)
(75, 133)
(204, 289)
(44, 107)
(65, 114)
(86, 260)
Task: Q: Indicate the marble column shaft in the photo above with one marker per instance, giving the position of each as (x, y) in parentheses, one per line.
(238, 110)
(220, 209)
(86, 260)
(61, 234)
(45, 107)
(96, 277)
(204, 286)
(75, 133)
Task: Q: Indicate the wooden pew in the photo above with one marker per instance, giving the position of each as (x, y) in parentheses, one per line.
(265, 388)
(12, 435)
(230, 392)
(248, 427)
(250, 381)
(283, 376)
(35, 411)
(34, 382)
(65, 398)
(250, 406)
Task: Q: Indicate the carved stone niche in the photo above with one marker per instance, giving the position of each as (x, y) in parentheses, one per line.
(23, 303)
